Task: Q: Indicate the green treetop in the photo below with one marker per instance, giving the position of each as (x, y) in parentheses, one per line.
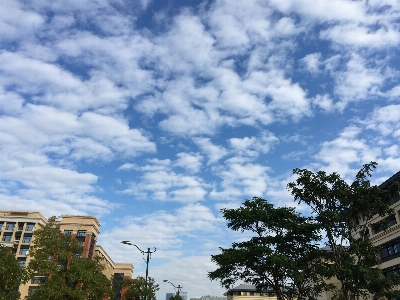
(281, 256)
(11, 275)
(69, 277)
(139, 289)
(344, 212)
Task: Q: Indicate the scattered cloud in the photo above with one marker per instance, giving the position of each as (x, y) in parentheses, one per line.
(170, 112)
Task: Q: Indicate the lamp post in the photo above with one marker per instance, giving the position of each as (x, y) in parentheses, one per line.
(175, 287)
(148, 252)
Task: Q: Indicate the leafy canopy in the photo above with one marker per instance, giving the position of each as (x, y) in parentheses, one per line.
(282, 255)
(344, 212)
(139, 289)
(11, 275)
(68, 276)
(175, 297)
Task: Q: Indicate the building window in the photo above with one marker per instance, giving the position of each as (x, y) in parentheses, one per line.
(32, 290)
(78, 255)
(22, 261)
(391, 270)
(390, 250)
(118, 277)
(68, 232)
(92, 240)
(81, 233)
(30, 227)
(391, 220)
(24, 250)
(10, 226)
(7, 237)
(27, 238)
(394, 200)
(38, 280)
(1, 225)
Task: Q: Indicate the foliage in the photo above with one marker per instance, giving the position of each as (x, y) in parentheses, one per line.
(344, 212)
(281, 256)
(139, 289)
(175, 297)
(11, 275)
(69, 277)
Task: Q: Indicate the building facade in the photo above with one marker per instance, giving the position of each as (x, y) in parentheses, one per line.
(209, 297)
(16, 232)
(248, 292)
(388, 240)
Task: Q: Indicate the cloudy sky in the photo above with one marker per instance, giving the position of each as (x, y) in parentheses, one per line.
(154, 115)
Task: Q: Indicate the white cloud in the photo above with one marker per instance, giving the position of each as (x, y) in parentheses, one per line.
(17, 23)
(253, 146)
(325, 102)
(356, 145)
(288, 99)
(358, 81)
(50, 207)
(10, 102)
(215, 153)
(352, 34)
(286, 26)
(169, 231)
(53, 130)
(347, 150)
(127, 166)
(385, 120)
(324, 10)
(189, 161)
(240, 179)
(160, 183)
(312, 62)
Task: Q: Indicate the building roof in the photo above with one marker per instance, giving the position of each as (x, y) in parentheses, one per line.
(389, 181)
(245, 288)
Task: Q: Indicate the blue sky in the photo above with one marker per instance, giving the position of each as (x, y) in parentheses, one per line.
(154, 115)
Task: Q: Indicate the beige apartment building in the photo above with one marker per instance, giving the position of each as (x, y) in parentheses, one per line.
(16, 232)
(388, 240)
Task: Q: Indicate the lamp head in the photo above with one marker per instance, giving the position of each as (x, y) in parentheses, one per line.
(165, 280)
(126, 242)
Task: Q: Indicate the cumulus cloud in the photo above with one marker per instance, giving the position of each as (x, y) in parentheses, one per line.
(358, 81)
(312, 62)
(189, 161)
(161, 183)
(214, 152)
(253, 146)
(385, 120)
(190, 108)
(17, 23)
(168, 231)
(364, 141)
(240, 178)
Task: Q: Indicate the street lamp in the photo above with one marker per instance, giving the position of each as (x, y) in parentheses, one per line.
(175, 287)
(143, 252)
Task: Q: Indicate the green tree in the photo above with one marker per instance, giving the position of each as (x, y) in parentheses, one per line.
(344, 212)
(175, 297)
(139, 289)
(69, 276)
(281, 256)
(11, 275)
